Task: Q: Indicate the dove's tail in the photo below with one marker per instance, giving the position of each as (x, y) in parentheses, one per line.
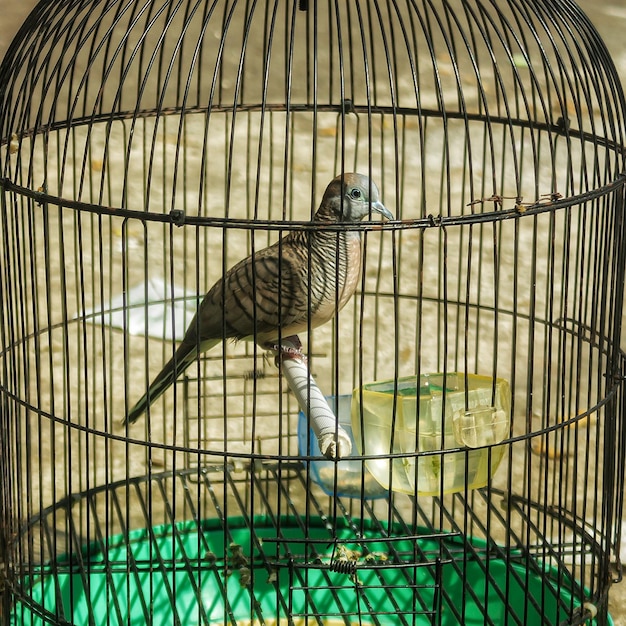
(184, 357)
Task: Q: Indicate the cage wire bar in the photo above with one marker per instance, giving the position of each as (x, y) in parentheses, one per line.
(147, 146)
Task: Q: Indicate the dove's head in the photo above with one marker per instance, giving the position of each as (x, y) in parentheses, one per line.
(350, 198)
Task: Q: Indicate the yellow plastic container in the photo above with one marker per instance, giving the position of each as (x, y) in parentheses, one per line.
(447, 441)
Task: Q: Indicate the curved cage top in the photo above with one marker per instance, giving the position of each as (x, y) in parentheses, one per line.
(512, 104)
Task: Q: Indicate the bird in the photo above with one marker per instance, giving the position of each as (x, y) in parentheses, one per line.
(294, 285)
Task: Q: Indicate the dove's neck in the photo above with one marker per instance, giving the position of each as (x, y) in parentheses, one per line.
(323, 219)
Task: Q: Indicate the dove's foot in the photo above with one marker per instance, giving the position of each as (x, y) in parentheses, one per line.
(289, 348)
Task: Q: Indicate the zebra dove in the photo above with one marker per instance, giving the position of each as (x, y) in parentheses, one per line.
(293, 285)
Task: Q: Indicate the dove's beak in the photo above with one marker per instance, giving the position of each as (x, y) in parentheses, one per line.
(379, 207)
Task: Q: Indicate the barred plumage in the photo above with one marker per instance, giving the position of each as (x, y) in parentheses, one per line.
(280, 291)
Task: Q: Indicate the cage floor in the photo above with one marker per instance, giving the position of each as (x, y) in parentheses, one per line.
(271, 569)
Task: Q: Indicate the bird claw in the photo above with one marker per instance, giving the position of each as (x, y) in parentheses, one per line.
(290, 348)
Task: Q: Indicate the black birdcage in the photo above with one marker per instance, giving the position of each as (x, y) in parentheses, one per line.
(475, 374)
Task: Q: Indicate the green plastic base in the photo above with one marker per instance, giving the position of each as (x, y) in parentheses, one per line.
(178, 575)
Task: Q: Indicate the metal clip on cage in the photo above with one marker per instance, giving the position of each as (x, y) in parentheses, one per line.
(468, 348)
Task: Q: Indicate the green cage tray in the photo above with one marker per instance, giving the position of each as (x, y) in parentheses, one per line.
(199, 573)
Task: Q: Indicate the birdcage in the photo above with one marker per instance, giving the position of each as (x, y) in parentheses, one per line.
(447, 448)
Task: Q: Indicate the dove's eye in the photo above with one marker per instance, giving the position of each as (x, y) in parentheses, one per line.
(355, 194)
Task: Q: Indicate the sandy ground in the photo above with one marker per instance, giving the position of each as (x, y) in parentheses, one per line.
(609, 17)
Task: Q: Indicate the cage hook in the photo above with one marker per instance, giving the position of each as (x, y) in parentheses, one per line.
(562, 124)
(177, 216)
(303, 5)
(348, 106)
(434, 220)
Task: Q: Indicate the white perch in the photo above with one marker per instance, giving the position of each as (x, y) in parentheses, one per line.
(333, 440)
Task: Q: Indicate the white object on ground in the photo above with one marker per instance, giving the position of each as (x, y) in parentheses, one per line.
(150, 310)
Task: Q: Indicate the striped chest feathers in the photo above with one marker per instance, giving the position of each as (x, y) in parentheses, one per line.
(339, 276)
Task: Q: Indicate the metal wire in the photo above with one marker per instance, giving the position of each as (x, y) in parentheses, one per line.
(148, 145)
